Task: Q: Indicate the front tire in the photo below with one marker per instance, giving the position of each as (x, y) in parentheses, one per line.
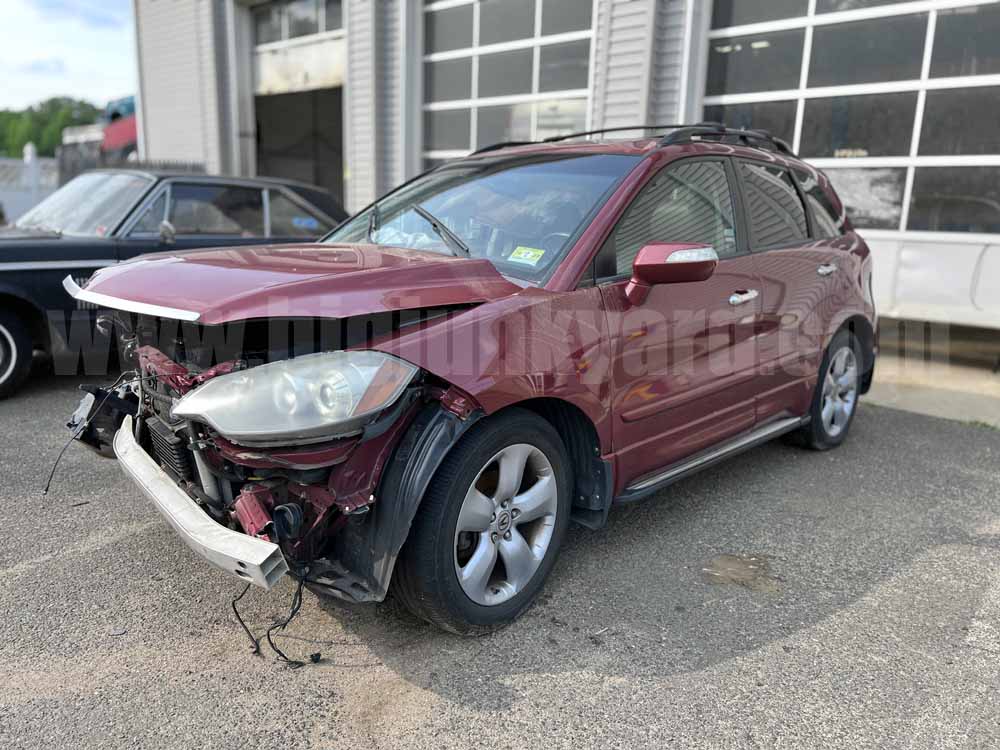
(835, 399)
(15, 353)
(489, 528)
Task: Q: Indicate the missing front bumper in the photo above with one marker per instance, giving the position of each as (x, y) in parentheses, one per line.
(248, 558)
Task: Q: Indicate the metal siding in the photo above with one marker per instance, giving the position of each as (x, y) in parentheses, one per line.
(177, 45)
(389, 115)
(621, 60)
(360, 105)
(668, 57)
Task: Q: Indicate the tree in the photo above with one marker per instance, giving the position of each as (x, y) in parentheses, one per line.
(43, 124)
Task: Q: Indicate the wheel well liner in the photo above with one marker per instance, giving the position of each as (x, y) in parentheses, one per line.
(861, 329)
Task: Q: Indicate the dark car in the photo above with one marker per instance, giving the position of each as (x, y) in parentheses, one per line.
(510, 342)
(104, 217)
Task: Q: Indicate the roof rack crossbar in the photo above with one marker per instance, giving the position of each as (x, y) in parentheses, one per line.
(580, 134)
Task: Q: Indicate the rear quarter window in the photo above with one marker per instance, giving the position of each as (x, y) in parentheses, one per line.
(828, 220)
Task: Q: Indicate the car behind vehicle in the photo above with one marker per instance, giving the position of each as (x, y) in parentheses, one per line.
(509, 342)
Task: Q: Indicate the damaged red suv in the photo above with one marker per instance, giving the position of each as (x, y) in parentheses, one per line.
(515, 340)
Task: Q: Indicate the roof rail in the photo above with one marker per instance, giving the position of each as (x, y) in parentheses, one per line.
(680, 134)
(754, 138)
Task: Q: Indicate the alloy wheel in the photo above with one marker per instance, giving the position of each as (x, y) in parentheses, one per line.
(840, 391)
(505, 524)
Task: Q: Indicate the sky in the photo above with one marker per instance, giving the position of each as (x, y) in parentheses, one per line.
(78, 48)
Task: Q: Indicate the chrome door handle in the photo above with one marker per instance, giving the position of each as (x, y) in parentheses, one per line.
(826, 269)
(740, 298)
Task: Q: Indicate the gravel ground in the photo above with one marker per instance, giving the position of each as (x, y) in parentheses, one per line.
(868, 615)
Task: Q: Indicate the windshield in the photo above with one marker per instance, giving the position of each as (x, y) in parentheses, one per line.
(91, 204)
(522, 213)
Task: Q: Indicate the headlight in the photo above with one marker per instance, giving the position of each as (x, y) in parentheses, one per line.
(301, 400)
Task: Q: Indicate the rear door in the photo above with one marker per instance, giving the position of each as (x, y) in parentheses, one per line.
(683, 360)
(798, 273)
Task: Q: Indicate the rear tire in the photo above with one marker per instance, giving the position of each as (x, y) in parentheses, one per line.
(835, 398)
(15, 353)
(470, 565)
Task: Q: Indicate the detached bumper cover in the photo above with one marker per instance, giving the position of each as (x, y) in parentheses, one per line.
(246, 557)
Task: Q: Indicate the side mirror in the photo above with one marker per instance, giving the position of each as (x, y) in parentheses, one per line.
(669, 263)
(168, 235)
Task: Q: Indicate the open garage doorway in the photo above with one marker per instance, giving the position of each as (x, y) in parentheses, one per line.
(300, 136)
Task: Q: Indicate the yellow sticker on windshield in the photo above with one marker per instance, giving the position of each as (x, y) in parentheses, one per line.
(527, 255)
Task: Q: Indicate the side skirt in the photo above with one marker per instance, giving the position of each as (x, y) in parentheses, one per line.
(645, 487)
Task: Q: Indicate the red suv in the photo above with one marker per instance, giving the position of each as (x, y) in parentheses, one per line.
(423, 401)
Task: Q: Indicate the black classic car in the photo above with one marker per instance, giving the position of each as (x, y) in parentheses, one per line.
(104, 217)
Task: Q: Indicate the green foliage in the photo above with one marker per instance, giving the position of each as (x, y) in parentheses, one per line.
(42, 124)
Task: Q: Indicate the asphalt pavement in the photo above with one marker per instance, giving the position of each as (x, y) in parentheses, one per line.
(784, 599)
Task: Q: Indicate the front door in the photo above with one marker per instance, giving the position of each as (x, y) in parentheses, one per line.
(684, 360)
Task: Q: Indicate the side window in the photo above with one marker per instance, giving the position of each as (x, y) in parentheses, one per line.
(686, 202)
(155, 213)
(288, 219)
(774, 210)
(827, 221)
(217, 209)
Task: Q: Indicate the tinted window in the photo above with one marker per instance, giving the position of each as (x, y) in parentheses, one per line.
(152, 217)
(774, 209)
(827, 221)
(565, 15)
(873, 198)
(510, 122)
(334, 14)
(965, 42)
(961, 121)
(738, 12)
(506, 20)
(761, 62)
(847, 126)
(956, 199)
(884, 49)
(303, 17)
(267, 24)
(686, 202)
(214, 209)
(449, 79)
(564, 66)
(522, 213)
(447, 129)
(778, 118)
(505, 73)
(446, 29)
(289, 219)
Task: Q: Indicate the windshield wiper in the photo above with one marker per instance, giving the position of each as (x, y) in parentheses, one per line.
(458, 248)
(373, 222)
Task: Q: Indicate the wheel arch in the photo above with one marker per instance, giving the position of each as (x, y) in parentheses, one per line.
(29, 313)
(862, 330)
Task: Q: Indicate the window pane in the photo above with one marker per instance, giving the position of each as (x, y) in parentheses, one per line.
(831, 6)
(965, 42)
(761, 62)
(774, 210)
(449, 79)
(778, 118)
(873, 198)
(288, 219)
(846, 126)
(213, 209)
(961, 121)
(859, 52)
(738, 12)
(447, 129)
(560, 116)
(507, 123)
(505, 73)
(689, 202)
(446, 29)
(564, 66)
(506, 20)
(334, 14)
(565, 15)
(956, 199)
(267, 24)
(150, 221)
(827, 220)
(303, 17)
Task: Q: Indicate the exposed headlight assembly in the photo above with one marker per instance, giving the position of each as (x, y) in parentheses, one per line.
(303, 400)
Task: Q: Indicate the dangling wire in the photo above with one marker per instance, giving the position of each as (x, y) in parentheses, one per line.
(256, 640)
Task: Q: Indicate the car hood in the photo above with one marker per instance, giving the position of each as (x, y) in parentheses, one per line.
(321, 280)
